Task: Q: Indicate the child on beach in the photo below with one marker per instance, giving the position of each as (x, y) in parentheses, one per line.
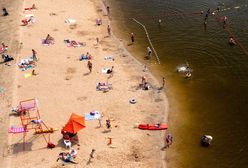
(108, 125)
(168, 140)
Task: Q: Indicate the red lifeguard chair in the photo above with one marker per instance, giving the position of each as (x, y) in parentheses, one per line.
(30, 120)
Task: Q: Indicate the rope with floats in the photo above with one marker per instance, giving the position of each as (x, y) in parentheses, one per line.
(150, 42)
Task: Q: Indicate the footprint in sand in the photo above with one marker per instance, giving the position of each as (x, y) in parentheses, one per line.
(82, 98)
(68, 77)
(70, 70)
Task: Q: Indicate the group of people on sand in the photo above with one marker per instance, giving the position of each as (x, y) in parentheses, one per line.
(86, 56)
(5, 56)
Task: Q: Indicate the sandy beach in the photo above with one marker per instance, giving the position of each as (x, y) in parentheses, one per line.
(63, 85)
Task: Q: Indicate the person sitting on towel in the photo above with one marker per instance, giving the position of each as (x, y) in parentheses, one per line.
(74, 43)
(33, 7)
(109, 71)
(49, 39)
(7, 58)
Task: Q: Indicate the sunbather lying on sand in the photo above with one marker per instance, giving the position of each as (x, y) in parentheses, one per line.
(32, 8)
(73, 43)
(30, 20)
(66, 157)
(24, 63)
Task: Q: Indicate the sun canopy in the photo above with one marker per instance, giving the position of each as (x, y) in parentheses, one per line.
(74, 124)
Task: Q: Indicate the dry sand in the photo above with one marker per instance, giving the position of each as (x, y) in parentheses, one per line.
(63, 85)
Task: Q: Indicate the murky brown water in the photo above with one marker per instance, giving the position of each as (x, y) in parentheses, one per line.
(214, 101)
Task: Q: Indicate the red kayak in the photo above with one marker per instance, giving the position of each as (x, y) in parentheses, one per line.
(153, 126)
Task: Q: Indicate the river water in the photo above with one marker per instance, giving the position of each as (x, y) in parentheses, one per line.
(215, 100)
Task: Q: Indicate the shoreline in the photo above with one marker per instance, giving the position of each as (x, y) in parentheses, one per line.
(123, 71)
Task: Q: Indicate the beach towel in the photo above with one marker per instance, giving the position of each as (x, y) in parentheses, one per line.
(29, 9)
(105, 70)
(46, 44)
(2, 50)
(109, 58)
(27, 75)
(92, 115)
(17, 130)
(71, 21)
(25, 68)
(29, 15)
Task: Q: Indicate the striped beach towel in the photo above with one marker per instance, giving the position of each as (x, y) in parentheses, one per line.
(17, 130)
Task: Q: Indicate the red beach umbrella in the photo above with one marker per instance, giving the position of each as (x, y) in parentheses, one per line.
(74, 124)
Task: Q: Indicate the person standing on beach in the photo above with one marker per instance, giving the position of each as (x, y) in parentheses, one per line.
(34, 55)
(149, 53)
(109, 30)
(89, 64)
(163, 82)
(168, 140)
(5, 12)
(108, 10)
(132, 38)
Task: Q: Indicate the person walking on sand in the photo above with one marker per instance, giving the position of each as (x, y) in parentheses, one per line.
(168, 140)
(224, 20)
(34, 55)
(5, 12)
(108, 125)
(108, 10)
(89, 64)
(143, 81)
(92, 153)
(163, 84)
(109, 30)
(132, 38)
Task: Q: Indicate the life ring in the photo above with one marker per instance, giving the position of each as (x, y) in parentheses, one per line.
(133, 101)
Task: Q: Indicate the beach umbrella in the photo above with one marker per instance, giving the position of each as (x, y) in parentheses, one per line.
(74, 124)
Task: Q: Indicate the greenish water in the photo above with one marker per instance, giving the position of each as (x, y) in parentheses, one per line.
(214, 101)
